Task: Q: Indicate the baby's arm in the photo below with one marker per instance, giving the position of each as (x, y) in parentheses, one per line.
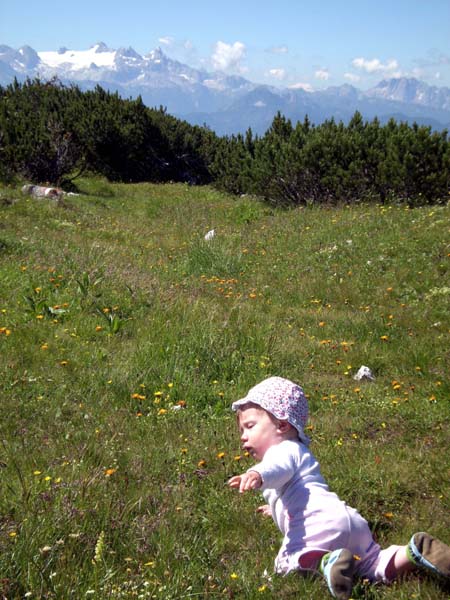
(251, 480)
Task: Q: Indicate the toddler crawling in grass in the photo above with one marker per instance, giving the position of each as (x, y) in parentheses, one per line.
(320, 532)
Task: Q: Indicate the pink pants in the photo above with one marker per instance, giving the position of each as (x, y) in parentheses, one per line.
(323, 532)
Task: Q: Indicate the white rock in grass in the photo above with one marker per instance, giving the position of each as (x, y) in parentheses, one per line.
(364, 373)
(210, 235)
(39, 191)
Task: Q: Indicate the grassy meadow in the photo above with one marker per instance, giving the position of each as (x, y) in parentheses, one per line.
(124, 338)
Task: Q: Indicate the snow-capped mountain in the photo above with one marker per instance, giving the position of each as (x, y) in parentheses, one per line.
(411, 91)
(157, 78)
(228, 104)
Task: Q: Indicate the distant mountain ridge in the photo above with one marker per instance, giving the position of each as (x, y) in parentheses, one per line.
(227, 104)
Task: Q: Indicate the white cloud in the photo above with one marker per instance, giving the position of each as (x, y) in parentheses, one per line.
(278, 50)
(277, 73)
(228, 56)
(259, 104)
(322, 74)
(352, 77)
(166, 40)
(302, 86)
(418, 72)
(435, 59)
(375, 65)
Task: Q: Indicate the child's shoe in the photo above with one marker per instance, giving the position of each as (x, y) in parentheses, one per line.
(426, 551)
(337, 568)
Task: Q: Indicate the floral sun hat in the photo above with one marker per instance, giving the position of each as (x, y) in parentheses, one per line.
(283, 399)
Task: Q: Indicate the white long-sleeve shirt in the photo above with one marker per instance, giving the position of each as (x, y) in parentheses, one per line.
(293, 485)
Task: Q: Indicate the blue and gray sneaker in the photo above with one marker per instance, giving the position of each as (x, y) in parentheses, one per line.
(430, 553)
(338, 568)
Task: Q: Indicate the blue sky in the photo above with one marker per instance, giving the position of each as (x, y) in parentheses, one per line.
(311, 44)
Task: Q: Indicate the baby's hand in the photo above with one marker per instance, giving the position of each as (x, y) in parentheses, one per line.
(264, 510)
(251, 480)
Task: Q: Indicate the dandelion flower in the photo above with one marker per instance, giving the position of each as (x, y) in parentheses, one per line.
(234, 576)
(221, 455)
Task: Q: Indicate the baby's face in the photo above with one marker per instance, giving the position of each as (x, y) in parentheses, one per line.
(259, 431)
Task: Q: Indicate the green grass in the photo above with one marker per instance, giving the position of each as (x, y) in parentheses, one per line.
(124, 338)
